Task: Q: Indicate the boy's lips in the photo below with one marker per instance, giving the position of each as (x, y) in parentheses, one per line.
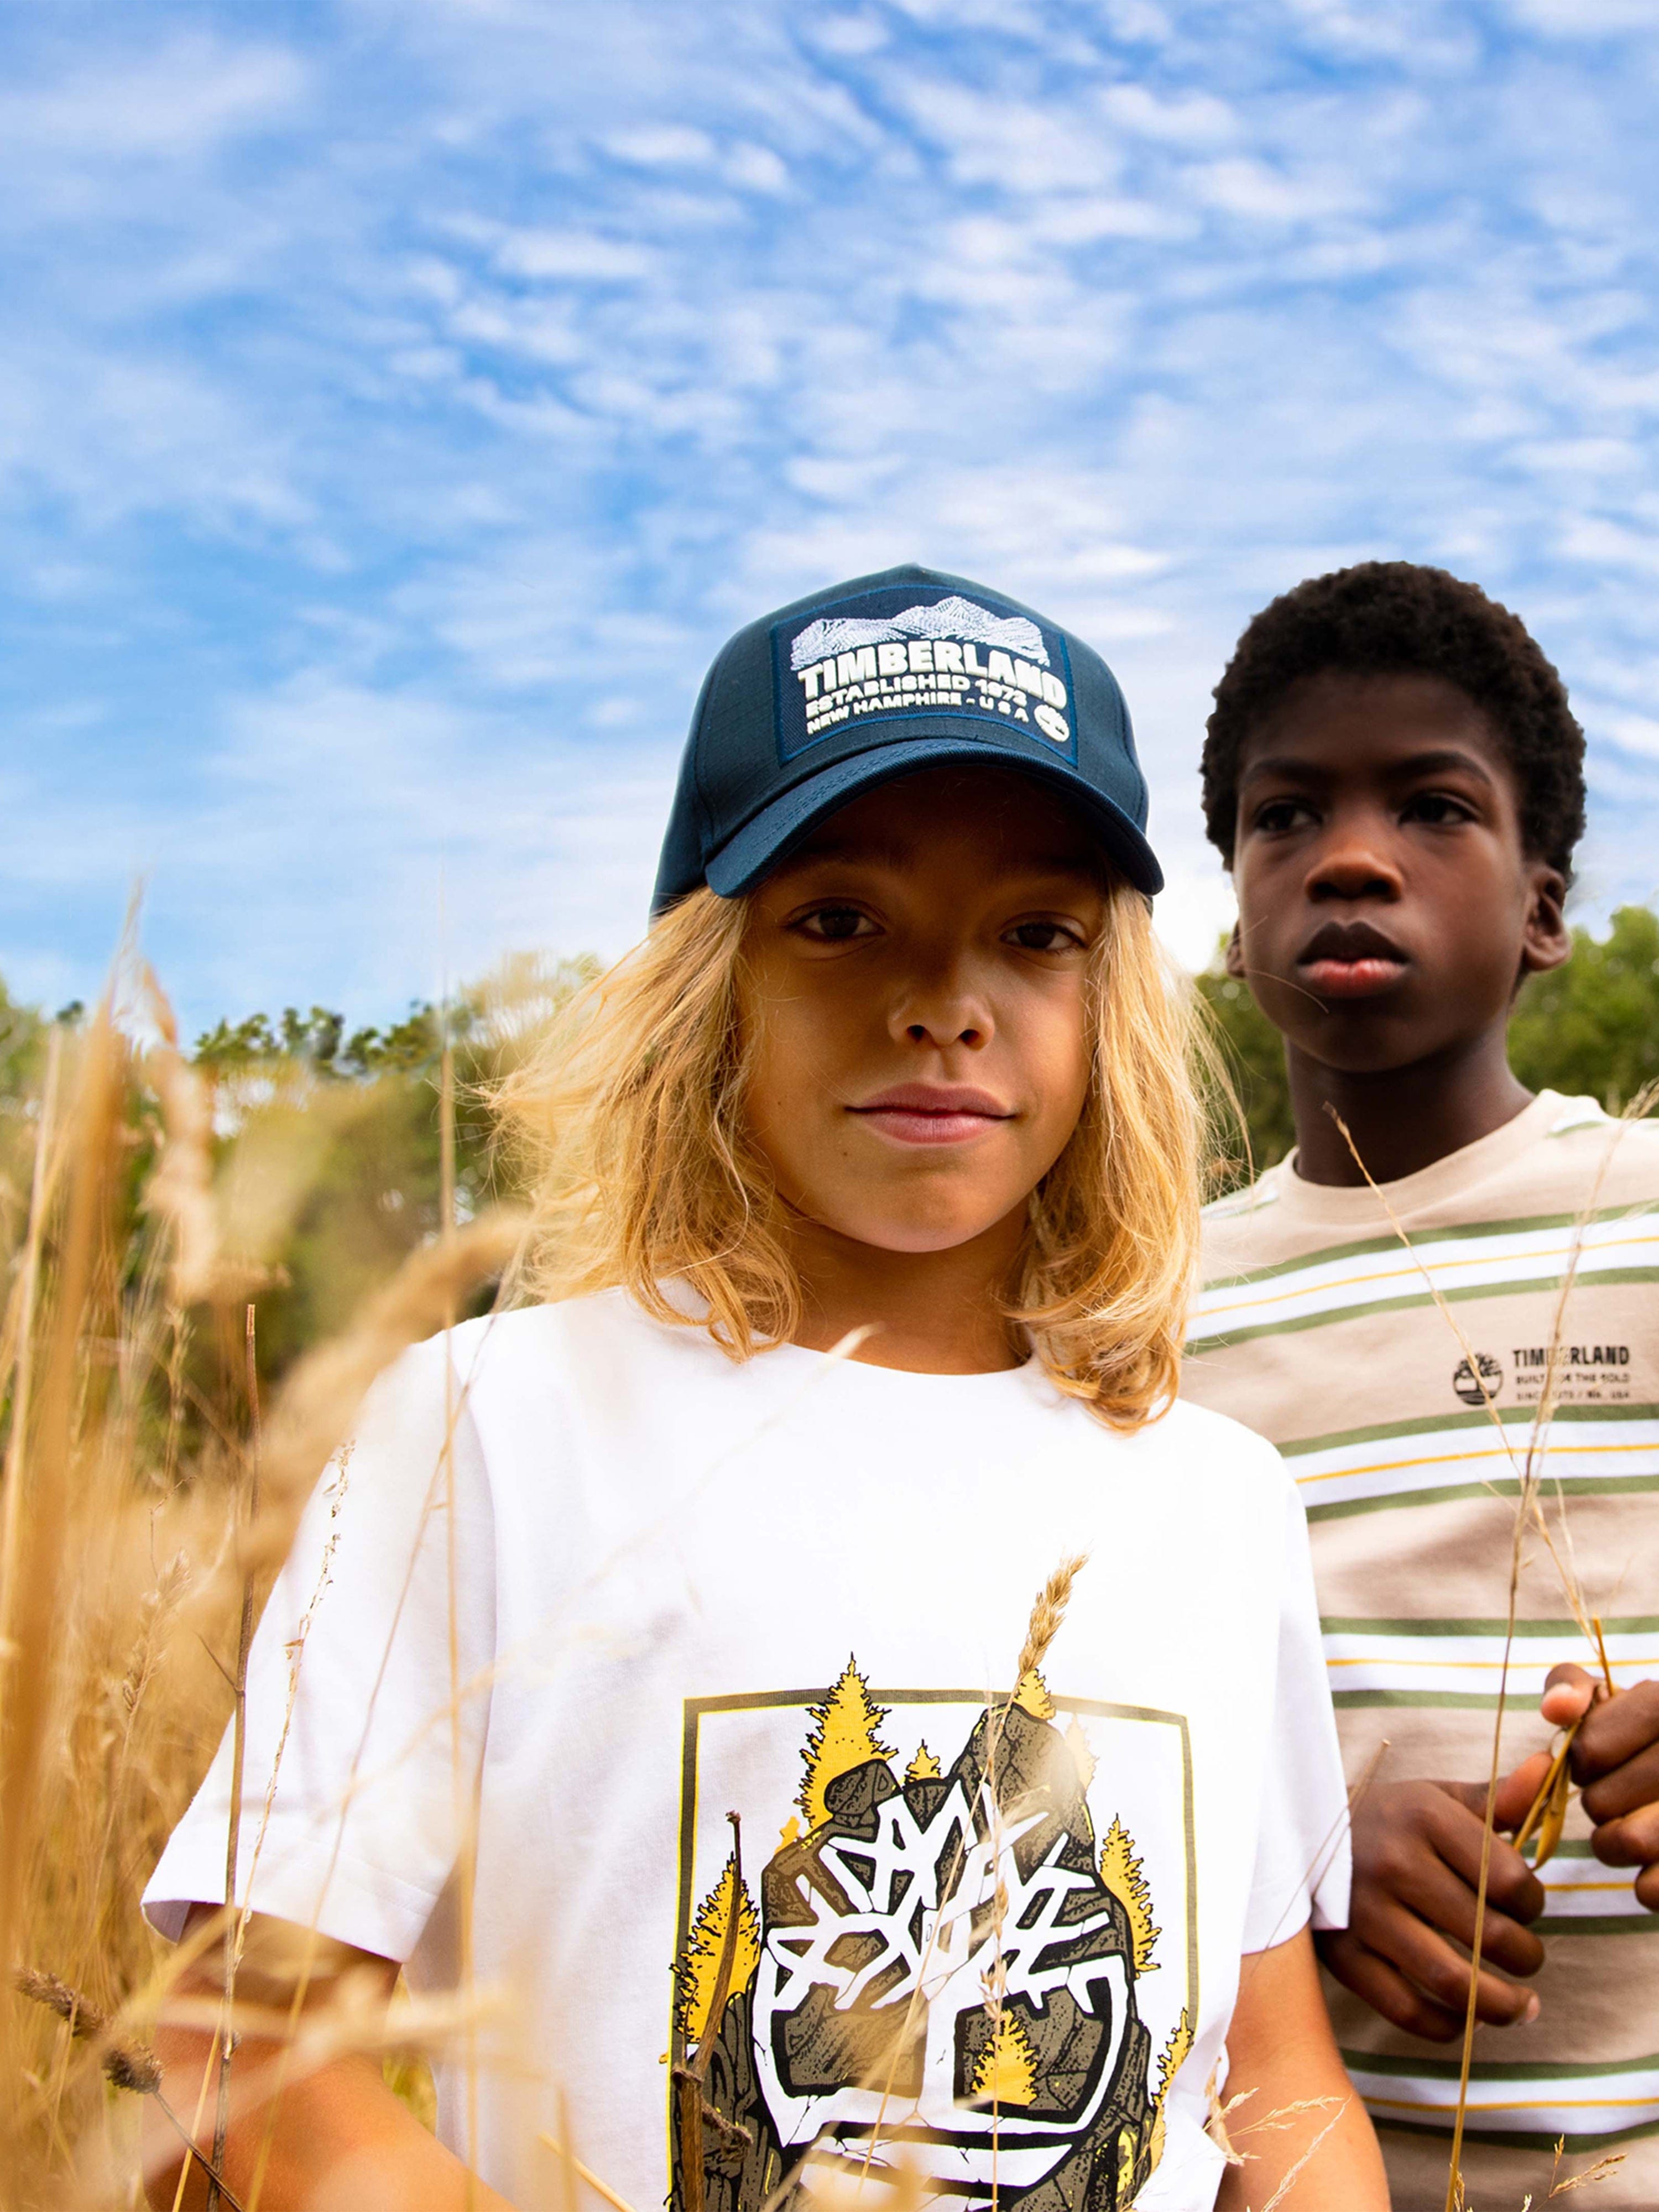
(931, 1113)
(1350, 960)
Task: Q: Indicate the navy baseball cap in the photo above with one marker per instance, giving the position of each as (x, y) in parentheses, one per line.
(867, 680)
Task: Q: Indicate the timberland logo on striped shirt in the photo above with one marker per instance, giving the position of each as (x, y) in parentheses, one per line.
(1583, 1372)
(1479, 1382)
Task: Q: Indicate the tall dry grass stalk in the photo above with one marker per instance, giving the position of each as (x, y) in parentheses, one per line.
(141, 1521)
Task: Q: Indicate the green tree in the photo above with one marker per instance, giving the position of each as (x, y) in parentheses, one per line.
(1253, 1053)
(22, 1055)
(348, 1125)
(1592, 1027)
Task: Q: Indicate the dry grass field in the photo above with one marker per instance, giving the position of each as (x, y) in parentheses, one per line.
(155, 1209)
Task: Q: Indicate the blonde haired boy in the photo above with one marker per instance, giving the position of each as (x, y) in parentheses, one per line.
(677, 1674)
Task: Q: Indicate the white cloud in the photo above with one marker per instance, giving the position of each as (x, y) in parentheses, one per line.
(1021, 146)
(757, 169)
(1635, 733)
(1584, 19)
(667, 143)
(1244, 186)
(853, 36)
(1186, 119)
(174, 105)
(581, 256)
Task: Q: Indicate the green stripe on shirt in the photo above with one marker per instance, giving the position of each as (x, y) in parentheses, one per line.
(1293, 1324)
(1498, 1627)
(1524, 1416)
(1455, 1233)
(1508, 1486)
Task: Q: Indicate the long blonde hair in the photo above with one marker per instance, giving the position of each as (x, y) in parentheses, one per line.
(646, 1176)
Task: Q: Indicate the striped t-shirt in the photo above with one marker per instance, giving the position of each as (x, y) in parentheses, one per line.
(1316, 1327)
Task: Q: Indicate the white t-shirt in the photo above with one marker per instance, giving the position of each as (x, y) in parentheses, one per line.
(787, 1589)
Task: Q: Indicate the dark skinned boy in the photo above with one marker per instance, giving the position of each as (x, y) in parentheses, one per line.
(1394, 779)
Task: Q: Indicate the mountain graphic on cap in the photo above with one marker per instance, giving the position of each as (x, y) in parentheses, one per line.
(952, 617)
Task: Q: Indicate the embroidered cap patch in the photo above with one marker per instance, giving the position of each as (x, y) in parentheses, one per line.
(896, 654)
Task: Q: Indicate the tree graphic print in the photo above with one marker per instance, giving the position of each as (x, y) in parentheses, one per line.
(844, 1736)
(939, 1963)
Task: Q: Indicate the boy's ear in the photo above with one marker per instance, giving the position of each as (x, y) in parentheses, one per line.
(1234, 957)
(1546, 941)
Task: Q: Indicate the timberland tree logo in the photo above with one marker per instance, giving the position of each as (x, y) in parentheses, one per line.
(954, 655)
(938, 1966)
(1478, 1382)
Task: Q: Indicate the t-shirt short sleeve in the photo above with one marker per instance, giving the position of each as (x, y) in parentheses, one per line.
(1302, 1858)
(364, 1727)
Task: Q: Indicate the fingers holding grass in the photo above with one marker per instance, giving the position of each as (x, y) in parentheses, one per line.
(1615, 1762)
(1424, 1991)
(1569, 1693)
(1418, 1849)
(1619, 1743)
(1420, 1843)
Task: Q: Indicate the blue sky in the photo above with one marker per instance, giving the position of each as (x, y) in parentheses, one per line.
(398, 404)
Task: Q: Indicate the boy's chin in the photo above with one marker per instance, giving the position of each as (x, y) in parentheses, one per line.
(920, 1240)
(1355, 1045)
(917, 1231)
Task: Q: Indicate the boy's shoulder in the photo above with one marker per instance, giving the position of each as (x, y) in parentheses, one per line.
(1590, 1142)
(1194, 1441)
(581, 1337)
(1250, 1228)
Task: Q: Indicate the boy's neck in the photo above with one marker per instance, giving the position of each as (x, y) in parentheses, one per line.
(1402, 1119)
(929, 1312)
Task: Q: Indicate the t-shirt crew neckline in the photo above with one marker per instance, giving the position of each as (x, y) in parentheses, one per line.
(986, 1379)
(808, 1360)
(1358, 1205)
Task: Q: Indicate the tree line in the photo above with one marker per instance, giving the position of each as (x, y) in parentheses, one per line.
(326, 1140)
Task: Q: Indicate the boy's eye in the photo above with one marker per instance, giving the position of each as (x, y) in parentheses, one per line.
(836, 925)
(1438, 807)
(1043, 937)
(1280, 814)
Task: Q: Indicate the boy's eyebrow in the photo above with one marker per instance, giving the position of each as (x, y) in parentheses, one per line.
(1437, 760)
(1284, 766)
(1444, 758)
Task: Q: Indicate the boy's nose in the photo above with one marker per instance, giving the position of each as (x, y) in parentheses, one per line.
(943, 1011)
(941, 1035)
(1353, 869)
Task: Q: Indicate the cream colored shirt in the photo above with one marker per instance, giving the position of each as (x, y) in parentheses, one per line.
(1318, 1327)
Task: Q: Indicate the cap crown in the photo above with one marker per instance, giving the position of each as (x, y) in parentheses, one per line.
(870, 679)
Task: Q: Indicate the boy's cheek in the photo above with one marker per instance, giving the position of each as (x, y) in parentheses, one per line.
(1286, 1007)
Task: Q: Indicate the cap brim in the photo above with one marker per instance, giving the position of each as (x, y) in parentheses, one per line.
(751, 852)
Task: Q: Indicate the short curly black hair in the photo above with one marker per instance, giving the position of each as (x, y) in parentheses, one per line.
(1383, 617)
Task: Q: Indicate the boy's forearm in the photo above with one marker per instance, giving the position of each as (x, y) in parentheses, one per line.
(338, 2140)
(1344, 2173)
(1300, 2112)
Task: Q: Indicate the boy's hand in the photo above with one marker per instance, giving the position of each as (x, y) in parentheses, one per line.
(1615, 1762)
(1416, 1866)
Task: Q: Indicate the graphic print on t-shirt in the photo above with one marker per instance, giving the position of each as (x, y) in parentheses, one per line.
(964, 1944)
